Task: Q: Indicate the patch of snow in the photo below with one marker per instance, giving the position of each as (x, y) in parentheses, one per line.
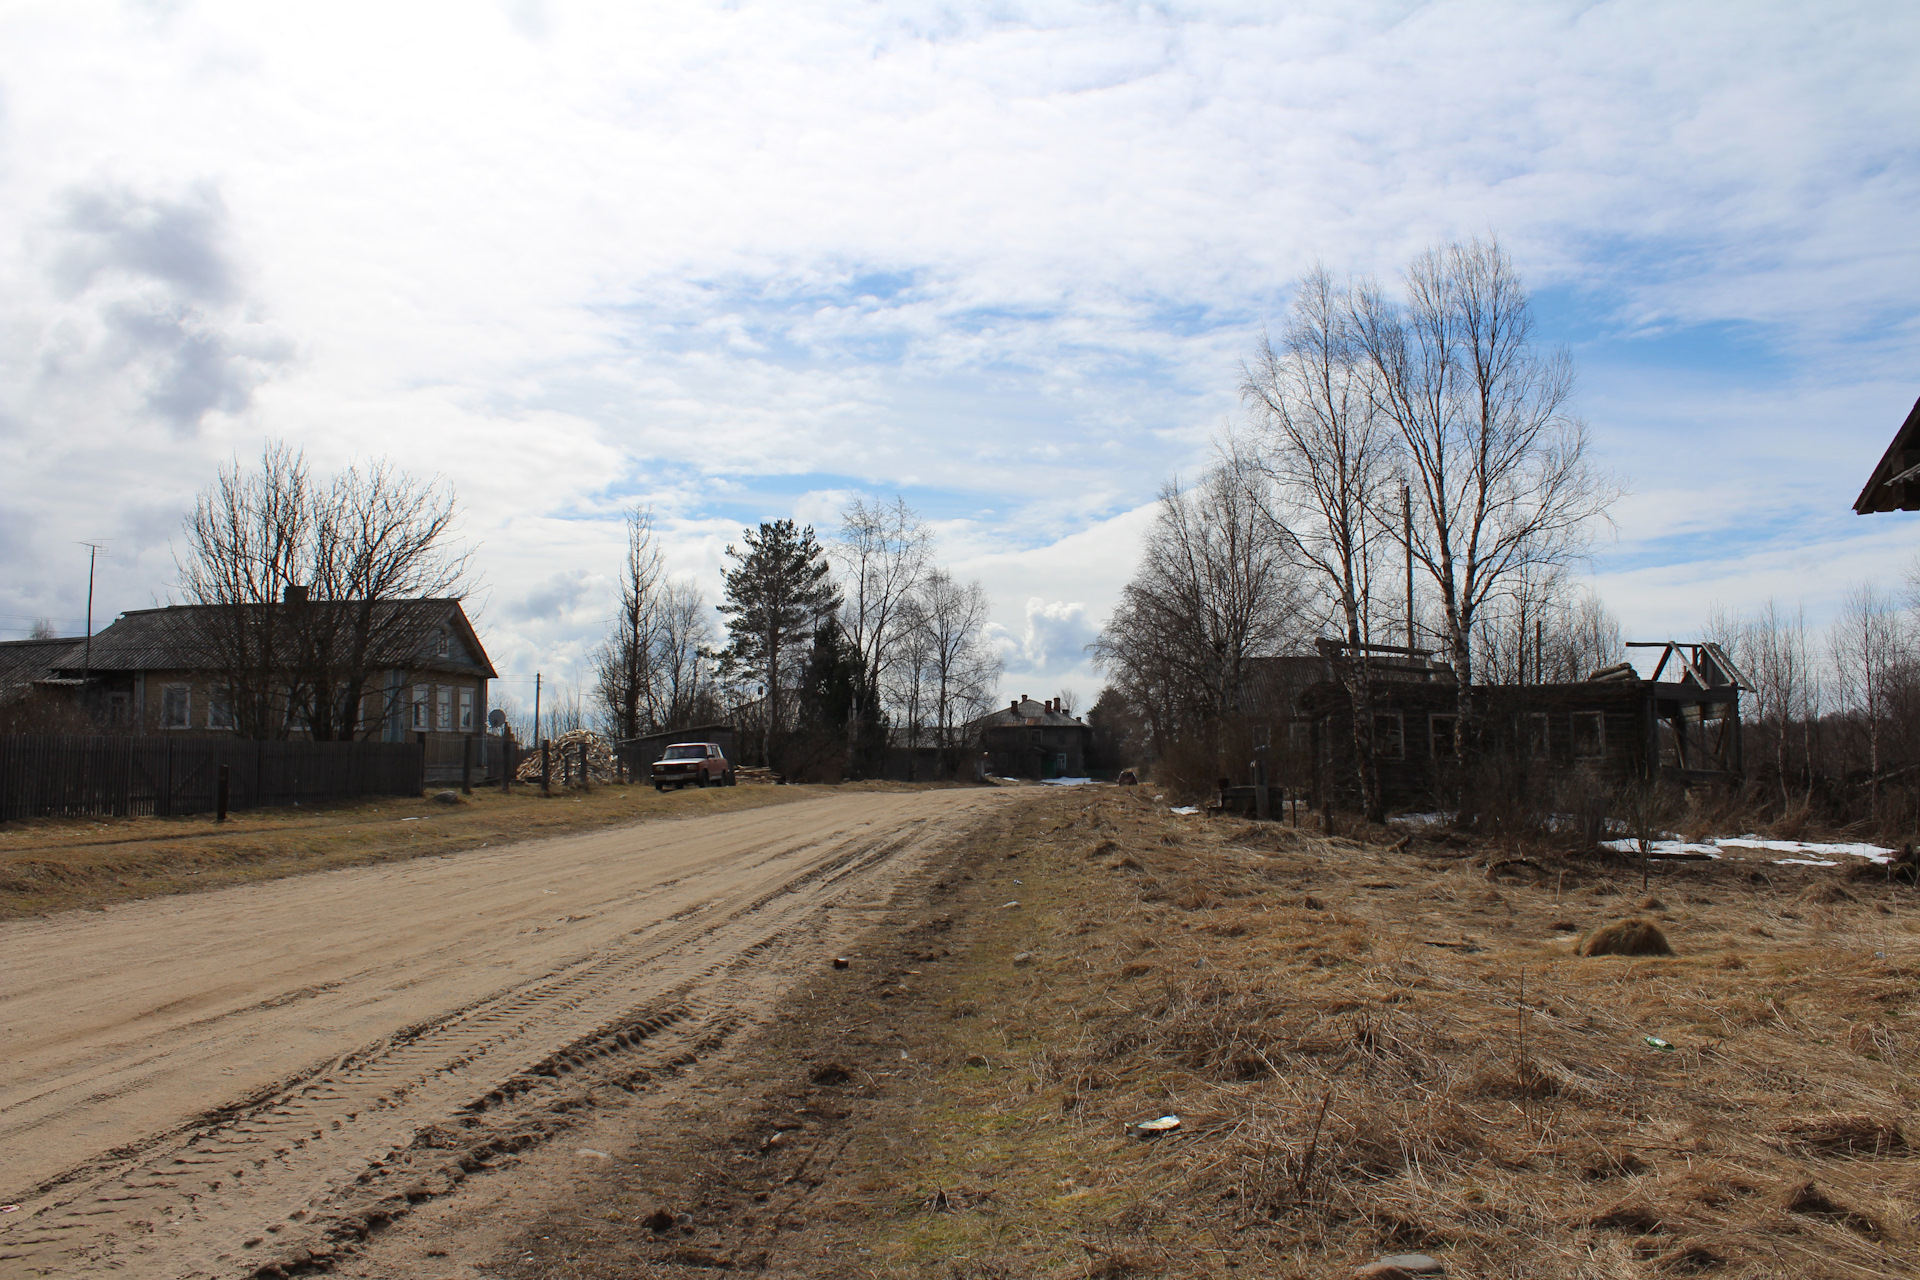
(1813, 853)
(1185, 808)
(1069, 782)
(1661, 846)
(1422, 819)
(1871, 852)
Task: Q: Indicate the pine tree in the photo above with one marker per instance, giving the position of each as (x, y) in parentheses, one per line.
(776, 594)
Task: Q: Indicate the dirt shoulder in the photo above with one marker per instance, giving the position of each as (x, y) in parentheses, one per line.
(1370, 1051)
(62, 864)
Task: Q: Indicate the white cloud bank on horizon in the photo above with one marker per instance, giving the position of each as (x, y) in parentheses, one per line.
(738, 260)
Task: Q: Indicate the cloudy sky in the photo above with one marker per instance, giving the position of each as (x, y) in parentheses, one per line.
(744, 260)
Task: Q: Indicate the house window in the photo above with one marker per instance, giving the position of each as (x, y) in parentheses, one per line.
(1539, 736)
(466, 711)
(1440, 736)
(346, 713)
(1297, 735)
(1589, 735)
(219, 707)
(420, 708)
(1388, 741)
(442, 644)
(117, 705)
(175, 707)
(443, 706)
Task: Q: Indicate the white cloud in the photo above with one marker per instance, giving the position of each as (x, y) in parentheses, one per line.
(738, 260)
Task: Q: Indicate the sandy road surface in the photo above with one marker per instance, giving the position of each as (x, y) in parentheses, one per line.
(210, 1085)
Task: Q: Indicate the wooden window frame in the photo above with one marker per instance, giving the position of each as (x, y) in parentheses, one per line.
(185, 691)
(1398, 736)
(1599, 719)
(1452, 720)
(220, 707)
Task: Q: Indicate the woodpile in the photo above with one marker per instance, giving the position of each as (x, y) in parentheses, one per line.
(564, 755)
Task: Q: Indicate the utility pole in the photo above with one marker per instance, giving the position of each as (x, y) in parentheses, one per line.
(1406, 529)
(536, 706)
(86, 660)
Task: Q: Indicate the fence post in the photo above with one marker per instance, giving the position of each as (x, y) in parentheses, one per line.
(586, 778)
(166, 774)
(466, 765)
(546, 767)
(507, 755)
(222, 794)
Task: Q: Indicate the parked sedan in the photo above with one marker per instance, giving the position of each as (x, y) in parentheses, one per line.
(701, 763)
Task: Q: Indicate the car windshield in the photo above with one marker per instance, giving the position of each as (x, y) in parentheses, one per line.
(686, 753)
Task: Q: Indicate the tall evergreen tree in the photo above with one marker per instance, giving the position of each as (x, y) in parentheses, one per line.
(776, 593)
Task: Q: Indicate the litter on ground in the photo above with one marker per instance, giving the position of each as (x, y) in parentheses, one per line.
(1148, 1128)
(1185, 808)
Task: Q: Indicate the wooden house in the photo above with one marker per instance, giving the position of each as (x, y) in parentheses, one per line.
(1612, 728)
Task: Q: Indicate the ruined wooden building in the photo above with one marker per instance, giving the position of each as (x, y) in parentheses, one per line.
(1682, 723)
(1895, 482)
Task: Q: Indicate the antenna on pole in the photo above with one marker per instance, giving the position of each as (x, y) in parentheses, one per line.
(94, 551)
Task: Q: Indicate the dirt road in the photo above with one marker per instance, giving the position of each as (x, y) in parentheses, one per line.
(224, 1083)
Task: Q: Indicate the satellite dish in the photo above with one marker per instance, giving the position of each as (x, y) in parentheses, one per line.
(496, 718)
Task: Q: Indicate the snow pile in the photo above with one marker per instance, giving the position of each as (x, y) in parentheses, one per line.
(1069, 782)
(1811, 853)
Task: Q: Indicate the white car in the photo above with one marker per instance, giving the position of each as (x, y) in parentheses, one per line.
(701, 763)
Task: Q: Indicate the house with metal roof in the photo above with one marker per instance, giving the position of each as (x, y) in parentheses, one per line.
(1034, 740)
(421, 670)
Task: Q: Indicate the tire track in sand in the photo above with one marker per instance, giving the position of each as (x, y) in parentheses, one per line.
(286, 1180)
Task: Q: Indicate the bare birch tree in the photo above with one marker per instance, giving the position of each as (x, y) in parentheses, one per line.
(1502, 482)
(624, 684)
(248, 539)
(962, 669)
(1327, 454)
(882, 551)
(303, 581)
(1216, 585)
(1868, 650)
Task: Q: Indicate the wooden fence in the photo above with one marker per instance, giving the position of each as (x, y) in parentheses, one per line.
(47, 775)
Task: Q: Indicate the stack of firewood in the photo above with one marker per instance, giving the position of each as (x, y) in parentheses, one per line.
(564, 759)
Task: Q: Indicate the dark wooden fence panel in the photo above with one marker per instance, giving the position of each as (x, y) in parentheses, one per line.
(47, 775)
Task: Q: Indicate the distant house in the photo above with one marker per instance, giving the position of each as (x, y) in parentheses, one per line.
(1033, 740)
(1895, 482)
(161, 670)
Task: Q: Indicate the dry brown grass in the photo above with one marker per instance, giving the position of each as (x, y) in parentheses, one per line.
(1631, 937)
(1376, 1051)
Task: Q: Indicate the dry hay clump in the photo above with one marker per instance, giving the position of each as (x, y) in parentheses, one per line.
(564, 757)
(1634, 936)
(1843, 1135)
